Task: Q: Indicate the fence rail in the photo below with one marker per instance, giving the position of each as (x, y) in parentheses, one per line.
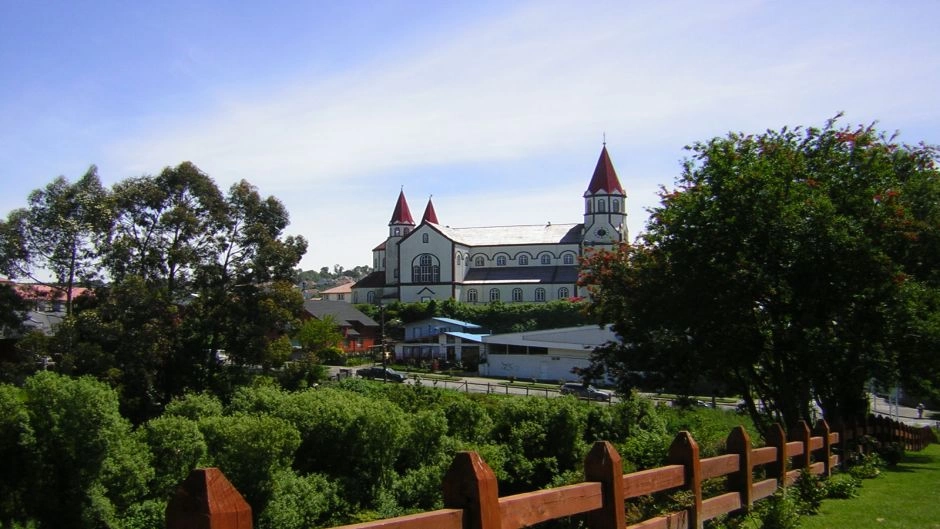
(471, 499)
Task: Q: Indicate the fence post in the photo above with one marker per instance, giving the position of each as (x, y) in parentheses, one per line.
(801, 433)
(603, 464)
(777, 439)
(470, 484)
(684, 451)
(822, 430)
(206, 499)
(742, 481)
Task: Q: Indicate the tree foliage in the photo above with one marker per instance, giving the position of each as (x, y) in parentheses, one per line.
(790, 266)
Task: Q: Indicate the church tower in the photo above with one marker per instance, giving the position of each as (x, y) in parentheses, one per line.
(401, 224)
(605, 208)
(429, 214)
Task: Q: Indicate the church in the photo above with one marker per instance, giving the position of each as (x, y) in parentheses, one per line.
(529, 263)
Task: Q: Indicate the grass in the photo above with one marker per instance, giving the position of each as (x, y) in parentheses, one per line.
(904, 497)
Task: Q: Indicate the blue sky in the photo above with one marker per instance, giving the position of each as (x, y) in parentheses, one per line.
(497, 108)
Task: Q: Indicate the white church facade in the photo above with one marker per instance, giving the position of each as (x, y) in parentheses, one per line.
(528, 263)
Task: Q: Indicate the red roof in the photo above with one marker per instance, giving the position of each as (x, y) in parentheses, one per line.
(605, 178)
(402, 215)
(429, 214)
(36, 291)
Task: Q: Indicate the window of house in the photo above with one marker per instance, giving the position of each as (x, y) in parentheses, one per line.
(546, 259)
(478, 261)
(494, 294)
(426, 269)
(563, 293)
(517, 294)
(341, 297)
(459, 259)
(424, 237)
(370, 297)
(523, 260)
(472, 295)
(501, 260)
(569, 259)
(395, 273)
(540, 294)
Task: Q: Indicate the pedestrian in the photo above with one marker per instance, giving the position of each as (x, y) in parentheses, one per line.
(920, 410)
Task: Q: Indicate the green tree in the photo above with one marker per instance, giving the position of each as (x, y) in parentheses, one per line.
(59, 233)
(316, 336)
(780, 266)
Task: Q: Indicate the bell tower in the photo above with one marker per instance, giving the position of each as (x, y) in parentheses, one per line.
(401, 224)
(605, 208)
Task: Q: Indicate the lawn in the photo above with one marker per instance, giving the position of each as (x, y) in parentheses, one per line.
(905, 497)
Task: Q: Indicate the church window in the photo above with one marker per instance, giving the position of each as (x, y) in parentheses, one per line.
(601, 206)
(426, 269)
(523, 260)
(407, 231)
(517, 294)
(569, 259)
(588, 203)
(501, 260)
(472, 295)
(424, 237)
(615, 206)
(459, 259)
(478, 261)
(546, 259)
(540, 294)
(494, 294)
(395, 274)
(562, 292)
(397, 231)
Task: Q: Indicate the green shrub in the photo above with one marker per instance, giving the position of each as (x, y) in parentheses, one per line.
(866, 466)
(891, 452)
(843, 486)
(810, 491)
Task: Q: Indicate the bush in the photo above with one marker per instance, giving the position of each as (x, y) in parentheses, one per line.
(843, 486)
(810, 491)
(891, 452)
(866, 466)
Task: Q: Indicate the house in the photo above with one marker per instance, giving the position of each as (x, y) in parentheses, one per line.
(360, 332)
(548, 355)
(444, 340)
(338, 293)
(530, 263)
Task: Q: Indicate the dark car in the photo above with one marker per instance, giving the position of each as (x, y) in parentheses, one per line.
(584, 391)
(379, 372)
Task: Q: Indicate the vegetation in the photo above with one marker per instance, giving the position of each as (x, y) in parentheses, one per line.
(348, 451)
(791, 267)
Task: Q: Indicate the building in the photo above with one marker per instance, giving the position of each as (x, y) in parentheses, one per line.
(548, 355)
(443, 340)
(532, 263)
(360, 332)
(341, 292)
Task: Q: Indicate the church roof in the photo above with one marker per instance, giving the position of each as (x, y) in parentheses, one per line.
(429, 214)
(512, 235)
(401, 215)
(521, 274)
(605, 178)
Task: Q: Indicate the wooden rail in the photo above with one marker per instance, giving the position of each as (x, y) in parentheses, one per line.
(471, 499)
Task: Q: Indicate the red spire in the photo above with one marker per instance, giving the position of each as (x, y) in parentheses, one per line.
(429, 214)
(605, 178)
(401, 215)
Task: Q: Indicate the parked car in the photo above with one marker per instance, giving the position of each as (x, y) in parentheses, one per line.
(379, 372)
(583, 391)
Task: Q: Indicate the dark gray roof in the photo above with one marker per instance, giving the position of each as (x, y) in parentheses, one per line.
(340, 311)
(522, 274)
(373, 280)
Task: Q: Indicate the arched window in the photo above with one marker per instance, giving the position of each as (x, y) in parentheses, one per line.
(370, 297)
(517, 294)
(424, 237)
(494, 294)
(426, 269)
(563, 293)
(500, 260)
(588, 203)
(478, 261)
(397, 231)
(569, 259)
(540, 294)
(472, 295)
(523, 260)
(601, 206)
(407, 231)
(615, 205)
(545, 259)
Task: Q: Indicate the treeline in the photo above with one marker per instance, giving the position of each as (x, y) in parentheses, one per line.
(348, 452)
(190, 288)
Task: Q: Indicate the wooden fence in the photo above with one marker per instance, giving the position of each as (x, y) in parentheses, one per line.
(471, 499)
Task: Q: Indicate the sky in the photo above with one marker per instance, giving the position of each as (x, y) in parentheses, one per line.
(497, 109)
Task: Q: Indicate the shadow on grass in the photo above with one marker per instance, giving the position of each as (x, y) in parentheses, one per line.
(915, 462)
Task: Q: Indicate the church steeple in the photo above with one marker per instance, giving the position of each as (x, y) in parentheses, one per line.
(401, 215)
(605, 211)
(429, 214)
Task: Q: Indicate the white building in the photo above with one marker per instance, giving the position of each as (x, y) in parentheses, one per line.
(532, 263)
(546, 355)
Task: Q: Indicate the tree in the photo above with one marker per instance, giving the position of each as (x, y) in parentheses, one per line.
(783, 266)
(59, 233)
(316, 336)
